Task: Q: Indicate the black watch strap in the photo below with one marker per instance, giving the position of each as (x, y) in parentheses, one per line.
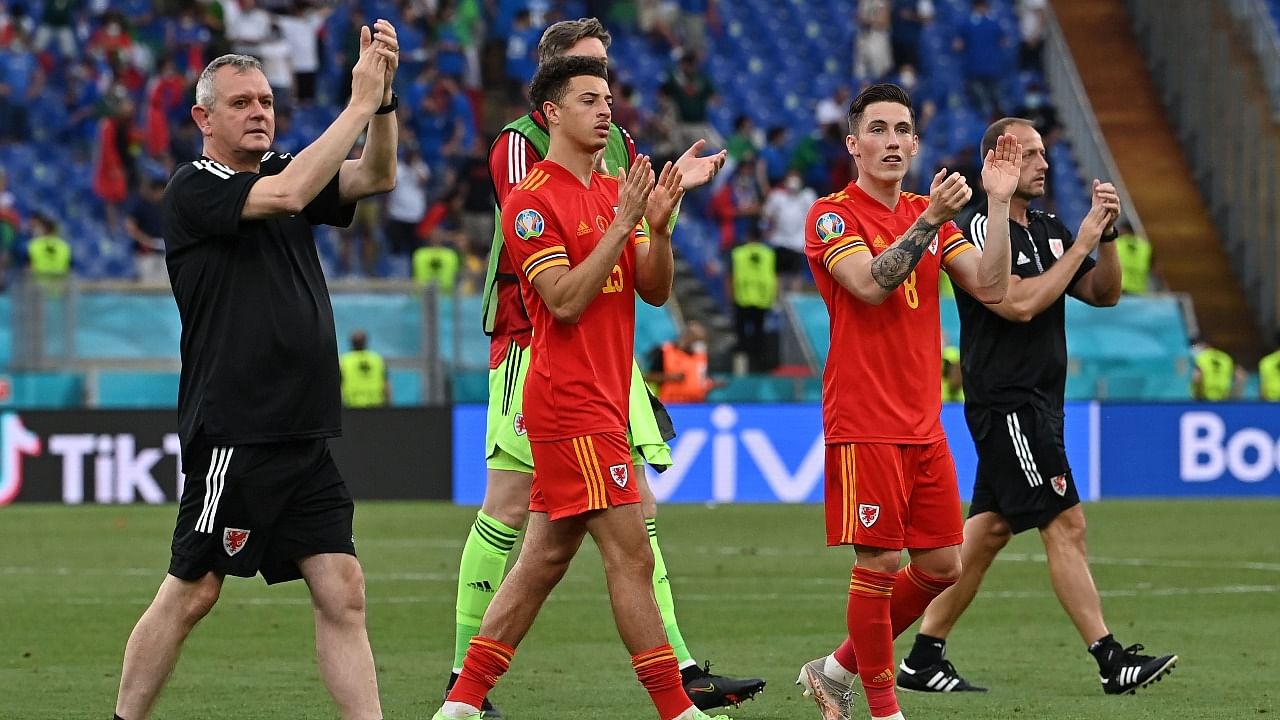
(391, 106)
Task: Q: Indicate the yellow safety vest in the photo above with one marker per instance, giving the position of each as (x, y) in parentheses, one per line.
(755, 275)
(437, 265)
(364, 381)
(1217, 373)
(50, 256)
(1269, 377)
(1135, 263)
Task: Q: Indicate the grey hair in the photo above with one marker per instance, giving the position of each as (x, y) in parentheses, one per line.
(205, 94)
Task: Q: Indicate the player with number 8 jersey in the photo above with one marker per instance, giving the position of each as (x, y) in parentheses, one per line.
(872, 386)
(876, 254)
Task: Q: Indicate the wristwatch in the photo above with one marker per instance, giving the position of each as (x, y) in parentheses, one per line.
(391, 106)
(1106, 236)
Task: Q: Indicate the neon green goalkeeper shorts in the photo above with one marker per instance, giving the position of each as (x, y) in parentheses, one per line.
(507, 439)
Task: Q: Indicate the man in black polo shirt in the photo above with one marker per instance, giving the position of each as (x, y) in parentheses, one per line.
(259, 391)
(1014, 362)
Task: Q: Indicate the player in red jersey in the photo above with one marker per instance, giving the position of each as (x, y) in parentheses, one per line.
(520, 145)
(572, 233)
(876, 253)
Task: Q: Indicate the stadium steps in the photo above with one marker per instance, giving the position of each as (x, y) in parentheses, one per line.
(696, 303)
(1189, 253)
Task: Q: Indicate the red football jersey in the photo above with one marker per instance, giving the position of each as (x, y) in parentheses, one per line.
(579, 376)
(510, 159)
(881, 382)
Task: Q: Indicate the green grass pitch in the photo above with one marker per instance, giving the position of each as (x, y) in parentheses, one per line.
(756, 591)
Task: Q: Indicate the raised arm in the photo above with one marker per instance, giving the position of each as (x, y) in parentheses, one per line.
(874, 279)
(375, 171)
(289, 192)
(1101, 286)
(655, 263)
(568, 291)
(985, 274)
(1028, 297)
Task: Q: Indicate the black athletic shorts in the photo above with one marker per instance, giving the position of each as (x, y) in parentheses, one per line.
(1022, 468)
(260, 508)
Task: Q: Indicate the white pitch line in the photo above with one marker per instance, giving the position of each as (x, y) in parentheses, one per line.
(727, 550)
(443, 598)
(1145, 562)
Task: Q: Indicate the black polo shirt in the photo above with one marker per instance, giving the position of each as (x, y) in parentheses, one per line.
(1009, 364)
(259, 352)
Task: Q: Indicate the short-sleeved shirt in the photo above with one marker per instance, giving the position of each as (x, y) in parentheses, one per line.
(579, 376)
(510, 160)
(880, 383)
(1009, 364)
(259, 352)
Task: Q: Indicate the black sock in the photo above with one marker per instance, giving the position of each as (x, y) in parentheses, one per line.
(1107, 651)
(926, 652)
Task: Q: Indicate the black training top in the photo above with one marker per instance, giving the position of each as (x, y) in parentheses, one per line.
(1009, 364)
(259, 352)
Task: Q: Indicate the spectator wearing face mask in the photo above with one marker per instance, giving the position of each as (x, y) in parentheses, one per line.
(784, 215)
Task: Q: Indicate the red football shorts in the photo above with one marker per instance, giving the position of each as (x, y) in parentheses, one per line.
(581, 474)
(892, 496)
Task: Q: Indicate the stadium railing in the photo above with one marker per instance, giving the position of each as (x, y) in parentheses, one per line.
(1080, 125)
(1136, 351)
(116, 344)
(1259, 21)
(1226, 128)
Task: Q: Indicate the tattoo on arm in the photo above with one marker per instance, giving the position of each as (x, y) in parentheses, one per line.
(891, 267)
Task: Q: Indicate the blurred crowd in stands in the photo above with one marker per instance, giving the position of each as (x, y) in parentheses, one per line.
(95, 100)
(106, 86)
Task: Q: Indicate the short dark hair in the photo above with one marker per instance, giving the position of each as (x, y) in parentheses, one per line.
(551, 81)
(880, 92)
(998, 128)
(557, 39)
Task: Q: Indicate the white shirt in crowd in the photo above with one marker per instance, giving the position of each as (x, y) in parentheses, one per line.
(784, 213)
(302, 32)
(245, 28)
(277, 64)
(407, 203)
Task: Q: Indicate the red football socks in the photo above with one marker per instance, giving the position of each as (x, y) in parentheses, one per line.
(659, 673)
(486, 661)
(871, 630)
(913, 590)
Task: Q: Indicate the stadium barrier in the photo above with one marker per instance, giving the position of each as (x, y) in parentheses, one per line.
(773, 453)
(724, 453)
(121, 456)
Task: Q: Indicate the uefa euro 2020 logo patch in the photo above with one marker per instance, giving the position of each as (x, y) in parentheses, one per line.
(529, 224)
(829, 226)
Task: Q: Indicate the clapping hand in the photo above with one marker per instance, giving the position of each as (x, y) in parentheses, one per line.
(948, 194)
(368, 77)
(384, 34)
(698, 171)
(1106, 195)
(1001, 168)
(633, 192)
(663, 199)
